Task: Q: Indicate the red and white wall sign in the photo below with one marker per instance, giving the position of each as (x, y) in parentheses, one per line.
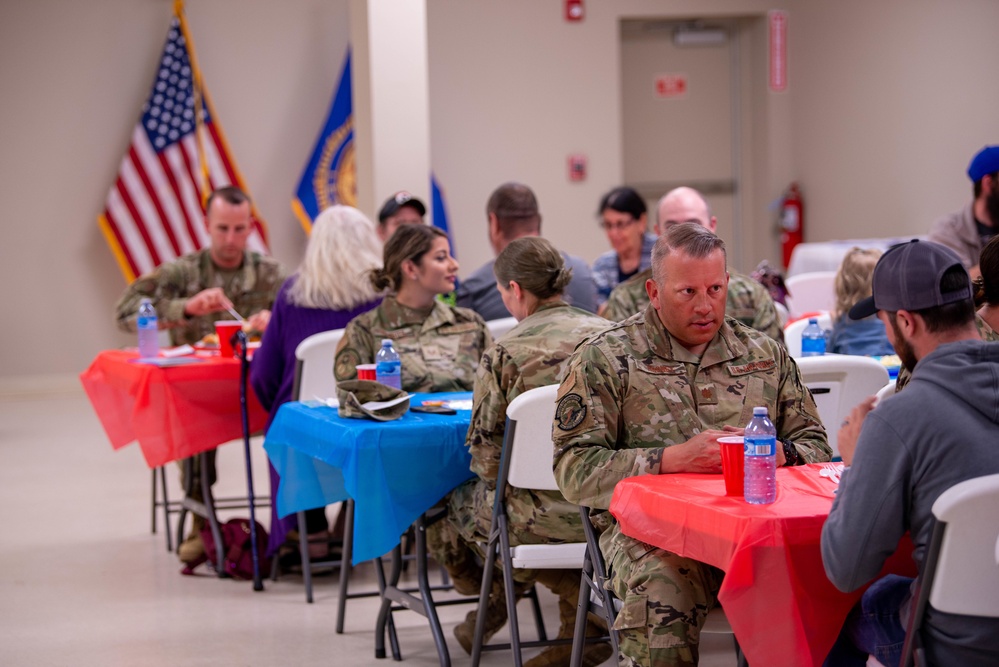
(671, 85)
(778, 50)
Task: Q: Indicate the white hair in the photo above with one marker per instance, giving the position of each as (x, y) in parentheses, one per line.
(343, 249)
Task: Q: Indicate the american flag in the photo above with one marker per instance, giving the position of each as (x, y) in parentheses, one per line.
(154, 213)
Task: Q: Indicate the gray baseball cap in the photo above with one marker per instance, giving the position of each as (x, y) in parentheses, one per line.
(907, 277)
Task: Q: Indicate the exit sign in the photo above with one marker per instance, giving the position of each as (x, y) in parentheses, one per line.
(671, 85)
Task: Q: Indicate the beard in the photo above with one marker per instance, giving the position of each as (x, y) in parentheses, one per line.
(992, 206)
(903, 348)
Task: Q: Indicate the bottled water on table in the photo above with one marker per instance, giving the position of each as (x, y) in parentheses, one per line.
(813, 339)
(388, 366)
(760, 441)
(149, 335)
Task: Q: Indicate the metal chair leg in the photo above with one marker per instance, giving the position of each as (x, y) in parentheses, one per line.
(303, 547)
(346, 558)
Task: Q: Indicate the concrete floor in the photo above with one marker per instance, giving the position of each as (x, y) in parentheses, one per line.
(84, 582)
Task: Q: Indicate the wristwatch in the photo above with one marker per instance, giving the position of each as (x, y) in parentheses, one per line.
(791, 455)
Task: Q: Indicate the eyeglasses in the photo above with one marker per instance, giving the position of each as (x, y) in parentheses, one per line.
(616, 226)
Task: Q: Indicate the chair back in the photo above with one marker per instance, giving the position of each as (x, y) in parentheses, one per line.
(529, 439)
(782, 315)
(499, 327)
(807, 292)
(839, 382)
(961, 573)
(314, 366)
(793, 331)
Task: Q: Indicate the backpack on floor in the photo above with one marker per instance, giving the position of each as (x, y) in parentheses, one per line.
(238, 561)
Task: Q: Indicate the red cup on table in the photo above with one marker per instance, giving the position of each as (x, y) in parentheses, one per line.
(733, 463)
(226, 329)
(366, 372)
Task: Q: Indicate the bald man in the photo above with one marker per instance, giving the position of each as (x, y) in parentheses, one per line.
(748, 301)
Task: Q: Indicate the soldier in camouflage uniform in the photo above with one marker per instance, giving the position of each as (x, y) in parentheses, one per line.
(748, 301)
(531, 355)
(651, 396)
(439, 345)
(194, 291)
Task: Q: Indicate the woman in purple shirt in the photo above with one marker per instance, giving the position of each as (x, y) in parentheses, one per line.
(329, 290)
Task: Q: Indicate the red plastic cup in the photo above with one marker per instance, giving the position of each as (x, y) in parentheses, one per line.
(366, 371)
(733, 458)
(226, 329)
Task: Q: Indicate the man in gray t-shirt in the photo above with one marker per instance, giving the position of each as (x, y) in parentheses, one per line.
(512, 211)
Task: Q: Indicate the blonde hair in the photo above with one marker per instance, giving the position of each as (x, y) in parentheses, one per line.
(343, 248)
(853, 279)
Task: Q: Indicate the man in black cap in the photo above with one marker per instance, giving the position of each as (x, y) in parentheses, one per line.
(942, 430)
(967, 231)
(402, 208)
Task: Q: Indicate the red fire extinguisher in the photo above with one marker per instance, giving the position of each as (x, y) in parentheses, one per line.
(792, 221)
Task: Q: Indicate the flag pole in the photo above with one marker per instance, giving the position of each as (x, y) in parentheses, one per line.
(196, 85)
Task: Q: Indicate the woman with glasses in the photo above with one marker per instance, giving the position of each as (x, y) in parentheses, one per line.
(623, 217)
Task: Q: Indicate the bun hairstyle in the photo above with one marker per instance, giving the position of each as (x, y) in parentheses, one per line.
(408, 242)
(535, 265)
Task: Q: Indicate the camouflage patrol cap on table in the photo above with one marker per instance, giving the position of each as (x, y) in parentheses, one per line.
(353, 394)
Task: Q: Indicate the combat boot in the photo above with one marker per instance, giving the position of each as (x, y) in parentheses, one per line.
(496, 617)
(192, 549)
(565, 584)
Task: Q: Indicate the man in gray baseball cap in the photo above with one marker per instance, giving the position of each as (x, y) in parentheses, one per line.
(942, 430)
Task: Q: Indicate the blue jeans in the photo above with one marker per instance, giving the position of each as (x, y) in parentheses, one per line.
(874, 626)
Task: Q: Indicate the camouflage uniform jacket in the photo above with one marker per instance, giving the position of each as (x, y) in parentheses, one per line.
(532, 354)
(632, 391)
(251, 288)
(748, 301)
(439, 349)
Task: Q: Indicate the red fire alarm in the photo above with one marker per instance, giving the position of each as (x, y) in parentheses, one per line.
(577, 167)
(574, 10)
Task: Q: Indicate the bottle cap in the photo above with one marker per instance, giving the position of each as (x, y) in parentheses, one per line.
(813, 320)
(760, 411)
(386, 341)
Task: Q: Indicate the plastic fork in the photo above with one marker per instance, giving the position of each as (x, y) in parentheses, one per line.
(831, 471)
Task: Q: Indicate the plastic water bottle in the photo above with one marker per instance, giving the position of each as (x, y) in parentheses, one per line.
(760, 442)
(388, 366)
(813, 339)
(149, 335)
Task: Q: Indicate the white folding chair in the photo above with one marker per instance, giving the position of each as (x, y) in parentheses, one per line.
(961, 574)
(884, 392)
(594, 597)
(792, 333)
(782, 315)
(526, 463)
(839, 382)
(808, 292)
(499, 327)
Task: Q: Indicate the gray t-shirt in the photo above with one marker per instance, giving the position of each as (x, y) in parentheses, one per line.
(479, 292)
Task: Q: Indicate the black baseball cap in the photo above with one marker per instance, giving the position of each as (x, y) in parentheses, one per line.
(397, 201)
(907, 277)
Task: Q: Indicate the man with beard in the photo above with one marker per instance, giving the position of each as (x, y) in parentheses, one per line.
(967, 231)
(942, 430)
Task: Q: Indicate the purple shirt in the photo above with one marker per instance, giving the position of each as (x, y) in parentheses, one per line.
(272, 372)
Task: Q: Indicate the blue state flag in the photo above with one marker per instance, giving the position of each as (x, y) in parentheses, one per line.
(330, 176)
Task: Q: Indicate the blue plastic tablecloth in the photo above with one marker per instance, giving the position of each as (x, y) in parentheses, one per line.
(394, 471)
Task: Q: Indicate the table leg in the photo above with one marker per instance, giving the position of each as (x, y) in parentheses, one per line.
(206, 509)
(423, 605)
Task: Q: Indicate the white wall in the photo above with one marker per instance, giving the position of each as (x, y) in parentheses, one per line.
(887, 103)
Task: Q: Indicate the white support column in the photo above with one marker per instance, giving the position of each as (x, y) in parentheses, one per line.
(391, 100)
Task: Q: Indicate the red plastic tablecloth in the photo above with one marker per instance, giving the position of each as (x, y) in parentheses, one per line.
(782, 607)
(173, 412)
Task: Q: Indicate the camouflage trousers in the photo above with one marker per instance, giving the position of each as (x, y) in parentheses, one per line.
(666, 599)
(535, 517)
